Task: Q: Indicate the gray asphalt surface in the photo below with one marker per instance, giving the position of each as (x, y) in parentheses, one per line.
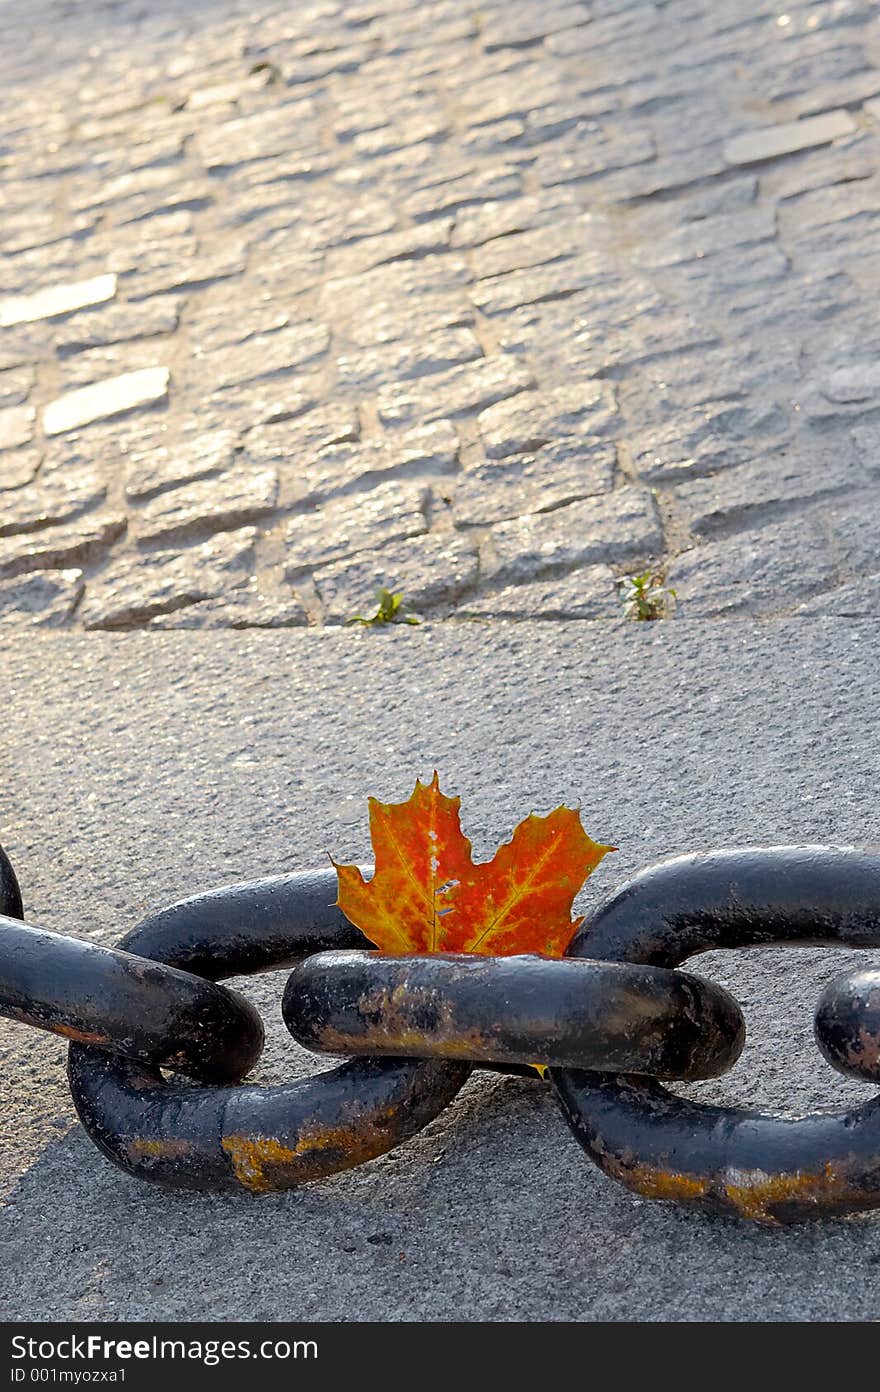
(140, 768)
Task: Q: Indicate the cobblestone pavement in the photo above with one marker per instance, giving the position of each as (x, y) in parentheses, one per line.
(491, 304)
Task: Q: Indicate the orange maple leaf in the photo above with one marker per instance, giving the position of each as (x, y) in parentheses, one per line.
(428, 895)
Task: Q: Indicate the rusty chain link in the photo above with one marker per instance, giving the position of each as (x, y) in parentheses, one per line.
(608, 1021)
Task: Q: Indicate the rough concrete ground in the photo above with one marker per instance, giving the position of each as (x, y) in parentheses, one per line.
(488, 303)
(139, 768)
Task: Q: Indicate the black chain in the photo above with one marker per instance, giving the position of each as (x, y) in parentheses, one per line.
(252, 1138)
(726, 1158)
(517, 1010)
(608, 1021)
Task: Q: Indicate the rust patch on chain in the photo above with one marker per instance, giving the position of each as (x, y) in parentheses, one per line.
(394, 1007)
(80, 1036)
(259, 1162)
(165, 1148)
(388, 1011)
(654, 1183)
(755, 1194)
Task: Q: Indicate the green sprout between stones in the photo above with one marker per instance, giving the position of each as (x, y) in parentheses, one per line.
(390, 608)
(645, 597)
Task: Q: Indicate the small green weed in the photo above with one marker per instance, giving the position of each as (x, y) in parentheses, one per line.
(390, 608)
(645, 597)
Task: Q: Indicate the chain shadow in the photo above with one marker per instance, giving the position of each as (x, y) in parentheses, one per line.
(491, 1213)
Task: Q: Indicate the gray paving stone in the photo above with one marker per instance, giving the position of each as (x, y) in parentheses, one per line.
(117, 324)
(235, 496)
(426, 452)
(264, 355)
(171, 232)
(26, 273)
(32, 227)
(18, 467)
(486, 92)
(111, 361)
(56, 300)
(832, 66)
(287, 169)
(148, 387)
(852, 158)
(45, 599)
(740, 493)
(742, 271)
(520, 250)
(615, 527)
(709, 236)
(371, 368)
(852, 526)
(425, 276)
(588, 593)
(567, 334)
(223, 93)
(460, 391)
(256, 212)
(825, 96)
(316, 65)
(407, 129)
(447, 197)
(23, 345)
(766, 571)
(530, 420)
(190, 274)
(247, 607)
(155, 470)
(830, 207)
(818, 409)
(731, 195)
(865, 439)
(555, 281)
(608, 29)
(16, 385)
(407, 318)
(133, 589)
(53, 548)
(430, 571)
(59, 495)
(661, 336)
(562, 472)
(772, 141)
(16, 426)
(260, 136)
(388, 513)
(487, 221)
(211, 326)
(592, 152)
(524, 24)
(856, 381)
(293, 442)
(856, 599)
(163, 149)
(149, 266)
(266, 401)
(130, 185)
(410, 243)
(702, 441)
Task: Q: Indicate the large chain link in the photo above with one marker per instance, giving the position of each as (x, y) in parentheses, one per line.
(253, 1138)
(726, 1158)
(609, 1020)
